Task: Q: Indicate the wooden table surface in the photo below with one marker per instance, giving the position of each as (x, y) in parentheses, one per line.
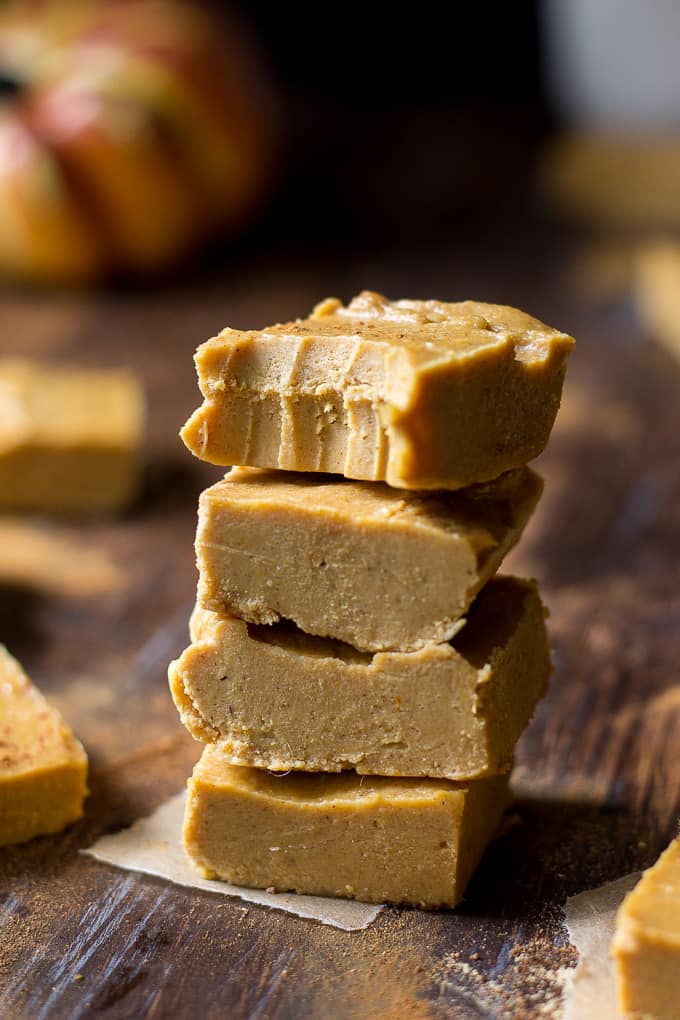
(598, 774)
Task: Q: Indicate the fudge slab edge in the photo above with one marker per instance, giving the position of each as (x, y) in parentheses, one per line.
(646, 945)
(69, 438)
(420, 394)
(363, 563)
(43, 768)
(373, 839)
(275, 698)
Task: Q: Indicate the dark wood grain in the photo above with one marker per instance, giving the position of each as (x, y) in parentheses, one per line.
(598, 773)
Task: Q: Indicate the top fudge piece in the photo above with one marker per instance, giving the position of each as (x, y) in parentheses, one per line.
(69, 438)
(420, 394)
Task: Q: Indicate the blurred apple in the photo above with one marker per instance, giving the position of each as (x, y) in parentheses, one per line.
(131, 131)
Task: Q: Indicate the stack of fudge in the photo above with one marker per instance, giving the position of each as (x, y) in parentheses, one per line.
(357, 672)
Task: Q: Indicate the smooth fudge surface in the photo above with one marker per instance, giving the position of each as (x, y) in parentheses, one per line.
(43, 768)
(369, 838)
(376, 567)
(420, 394)
(69, 438)
(646, 945)
(277, 698)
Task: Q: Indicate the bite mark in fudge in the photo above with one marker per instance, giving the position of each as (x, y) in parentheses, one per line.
(420, 394)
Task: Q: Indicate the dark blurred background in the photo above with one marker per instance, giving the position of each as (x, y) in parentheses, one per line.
(172, 128)
(404, 124)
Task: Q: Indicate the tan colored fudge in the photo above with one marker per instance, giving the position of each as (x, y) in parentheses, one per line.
(646, 944)
(420, 394)
(277, 698)
(373, 566)
(380, 840)
(43, 768)
(615, 179)
(656, 285)
(69, 439)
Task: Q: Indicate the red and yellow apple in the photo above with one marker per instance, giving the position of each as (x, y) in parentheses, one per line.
(130, 132)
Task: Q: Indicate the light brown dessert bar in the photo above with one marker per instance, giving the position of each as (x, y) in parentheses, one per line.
(614, 178)
(69, 439)
(361, 562)
(379, 840)
(420, 394)
(277, 698)
(656, 285)
(646, 943)
(43, 768)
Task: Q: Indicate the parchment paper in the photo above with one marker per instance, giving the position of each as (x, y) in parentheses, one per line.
(590, 990)
(153, 845)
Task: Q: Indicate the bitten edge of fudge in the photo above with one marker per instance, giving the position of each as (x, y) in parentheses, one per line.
(421, 394)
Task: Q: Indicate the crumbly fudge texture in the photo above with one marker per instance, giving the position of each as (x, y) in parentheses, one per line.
(389, 840)
(364, 563)
(420, 394)
(43, 768)
(646, 943)
(69, 439)
(277, 698)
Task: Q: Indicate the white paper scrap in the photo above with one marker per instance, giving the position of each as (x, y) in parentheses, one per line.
(590, 989)
(153, 845)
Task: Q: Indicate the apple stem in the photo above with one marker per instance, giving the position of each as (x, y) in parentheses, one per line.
(9, 86)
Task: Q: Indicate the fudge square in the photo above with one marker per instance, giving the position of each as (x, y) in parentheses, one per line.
(376, 567)
(43, 768)
(646, 946)
(381, 840)
(276, 698)
(420, 394)
(69, 438)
